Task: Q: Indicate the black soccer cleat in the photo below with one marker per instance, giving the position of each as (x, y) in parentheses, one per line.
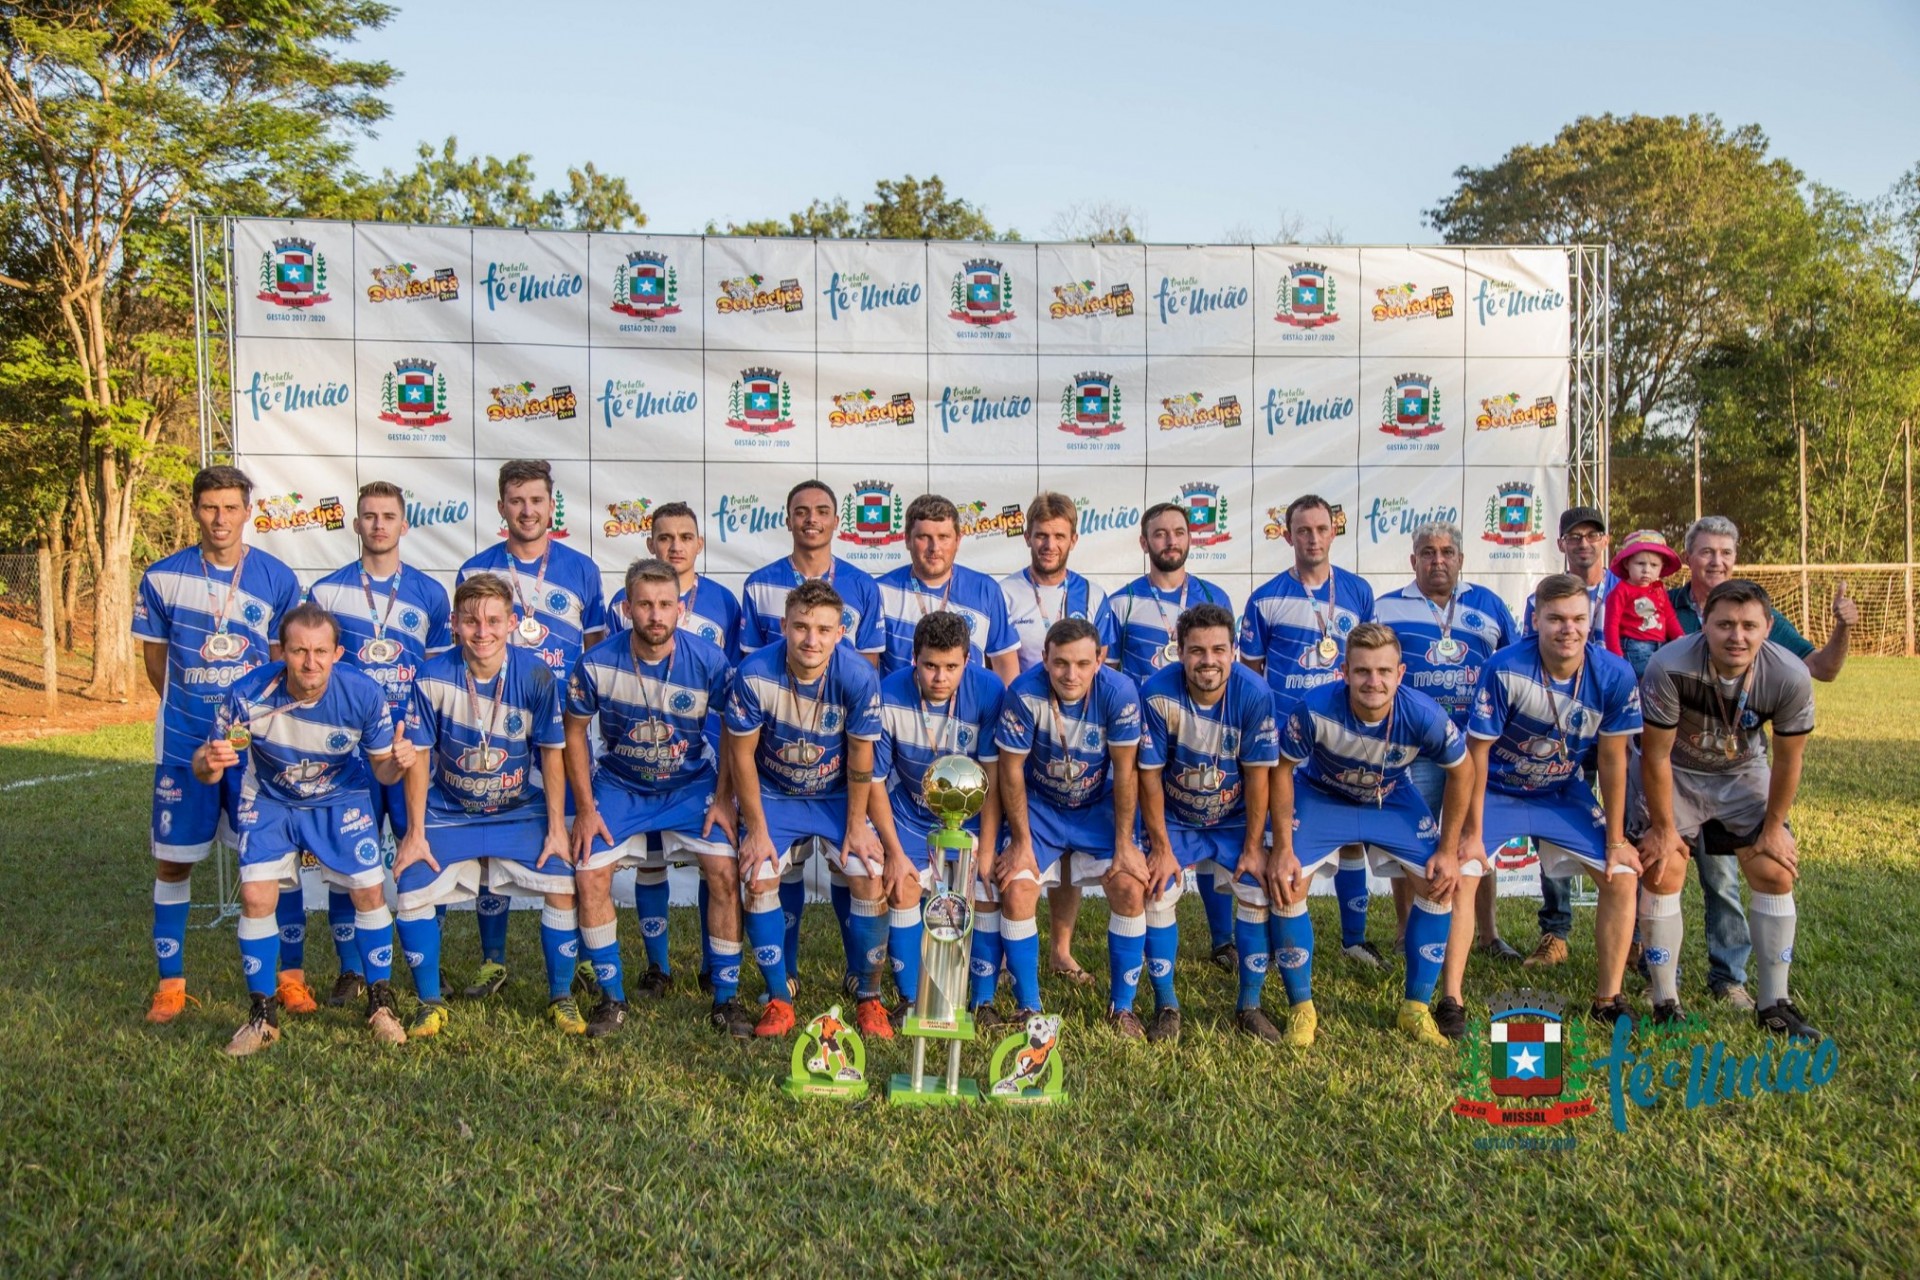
(1226, 957)
(1783, 1019)
(1610, 1010)
(1450, 1017)
(608, 1017)
(1667, 1013)
(347, 988)
(1165, 1024)
(1256, 1023)
(731, 1017)
(656, 983)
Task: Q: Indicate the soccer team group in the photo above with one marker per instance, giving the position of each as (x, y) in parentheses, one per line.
(525, 738)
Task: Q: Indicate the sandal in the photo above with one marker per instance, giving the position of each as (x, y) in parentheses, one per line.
(1075, 976)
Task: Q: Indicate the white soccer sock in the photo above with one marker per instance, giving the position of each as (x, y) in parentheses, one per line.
(566, 920)
(1163, 913)
(595, 936)
(168, 893)
(1661, 931)
(378, 918)
(1773, 920)
(1015, 930)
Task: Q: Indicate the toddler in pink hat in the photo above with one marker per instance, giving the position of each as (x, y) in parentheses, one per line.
(1639, 617)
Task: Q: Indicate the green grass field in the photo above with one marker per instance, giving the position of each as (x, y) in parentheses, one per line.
(500, 1149)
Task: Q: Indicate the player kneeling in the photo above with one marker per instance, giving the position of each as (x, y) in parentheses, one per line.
(940, 706)
(481, 711)
(1205, 765)
(653, 687)
(307, 734)
(1354, 744)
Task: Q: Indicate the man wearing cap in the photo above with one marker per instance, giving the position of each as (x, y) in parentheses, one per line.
(1583, 544)
(1709, 550)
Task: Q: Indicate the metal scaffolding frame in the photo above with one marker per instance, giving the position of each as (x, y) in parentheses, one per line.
(212, 241)
(1590, 366)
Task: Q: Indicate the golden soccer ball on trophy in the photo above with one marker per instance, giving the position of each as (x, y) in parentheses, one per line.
(955, 789)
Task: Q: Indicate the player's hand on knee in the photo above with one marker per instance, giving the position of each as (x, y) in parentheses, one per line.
(1443, 876)
(1129, 863)
(720, 815)
(586, 827)
(1285, 884)
(554, 846)
(861, 843)
(1162, 867)
(1622, 859)
(411, 849)
(758, 857)
(1777, 844)
(901, 881)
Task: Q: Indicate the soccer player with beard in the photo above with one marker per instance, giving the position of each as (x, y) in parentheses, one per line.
(1295, 632)
(1069, 737)
(309, 731)
(1547, 706)
(1043, 593)
(943, 705)
(1710, 792)
(1352, 743)
(1447, 629)
(558, 614)
(801, 721)
(392, 618)
(813, 513)
(660, 794)
(206, 616)
(707, 608)
(1205, 764)
(478, 816)
(931, 580)
(1137, 631)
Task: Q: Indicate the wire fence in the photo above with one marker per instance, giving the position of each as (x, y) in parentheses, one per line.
(20, 588)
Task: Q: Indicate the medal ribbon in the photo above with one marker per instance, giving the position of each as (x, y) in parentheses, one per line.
(492, 723)
(1735, 737)
(922, 594)
(1226, 718)
(233, 589)
(1446, 624)
(539, 583)
(266, 695)
(1039, 606)
(808, 727)
(381, 619)
(1553, 701)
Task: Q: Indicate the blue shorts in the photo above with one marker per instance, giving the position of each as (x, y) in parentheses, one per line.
(1086, 833)
(679, 814)
(188, 813)
(1430, 780)
(390, 807)
(343, 838)
(1402, 827)
(510, 844)
(1566, 823)
(791, 819)
(915, 830)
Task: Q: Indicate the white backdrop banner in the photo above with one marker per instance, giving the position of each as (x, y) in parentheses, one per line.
(1403, 384)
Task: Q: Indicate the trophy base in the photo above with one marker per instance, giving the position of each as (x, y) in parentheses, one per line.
(818, 1087)
(932, 1092)
(959, 1028)
(1025, 1098)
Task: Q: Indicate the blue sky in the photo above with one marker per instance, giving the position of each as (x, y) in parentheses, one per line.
(1201, 117)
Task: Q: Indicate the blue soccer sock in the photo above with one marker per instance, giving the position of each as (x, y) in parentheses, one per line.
(767, 932)
(291, 913)
(793, 905)
(491, 913)
(373, 933)
(650, 901)
(1126, 953)
(340, 915)
(841, 895)
(1163, 944)
(1250, 936)
(904, 934)
(867, 921)
(602, 944)
(420, 940)
(1020, 944)
(1426, 945)
(259, 949)
(1216, 895)
(560, 945)
(706, 938)
(723, 968)
(983, 965)
(1290, 942)
(1350, 885)
(170, 899)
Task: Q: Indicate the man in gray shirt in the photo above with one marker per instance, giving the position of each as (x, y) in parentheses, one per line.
(1708, 788)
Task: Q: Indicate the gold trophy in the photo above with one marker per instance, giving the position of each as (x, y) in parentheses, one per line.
(954, 789)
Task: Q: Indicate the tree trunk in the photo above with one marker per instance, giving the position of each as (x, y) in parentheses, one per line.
(112, 585)
(58, 622)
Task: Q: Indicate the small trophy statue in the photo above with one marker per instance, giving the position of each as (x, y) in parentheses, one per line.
(955, 789)
(1026, 1069)
(829, 1061)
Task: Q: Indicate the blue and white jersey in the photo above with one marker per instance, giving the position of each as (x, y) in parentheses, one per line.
(568, 604)
(708, 610)
(1032, 609)
(1597, 636)
(1478, 622)
(309, 757)
(1544, 730)
(913, 734)
(412, 611)
(181, 601)
(1285, 623)
(485, 751)
(764, 605)
(1066, 743)
(1137, 622)
(1200, 749)
(653, 715)
(1365, 763)
(804, 727)
(974, 596)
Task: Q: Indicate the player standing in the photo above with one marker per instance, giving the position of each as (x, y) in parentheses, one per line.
(707, 608)
(931, 581)
(205, 615)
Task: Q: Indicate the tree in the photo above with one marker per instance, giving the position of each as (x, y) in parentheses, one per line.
(907, 209)
(1099, 222)
(1697, 216)
(114, 119)
(485, 191)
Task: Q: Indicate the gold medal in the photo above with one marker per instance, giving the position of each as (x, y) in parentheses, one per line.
(1169, 652)
(239, 737)
(530, 631)
(1328, 649)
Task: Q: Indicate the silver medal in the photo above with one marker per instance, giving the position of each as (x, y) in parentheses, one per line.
(530, 631)
(221, 646)
(1449, 649)
(380, 651)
